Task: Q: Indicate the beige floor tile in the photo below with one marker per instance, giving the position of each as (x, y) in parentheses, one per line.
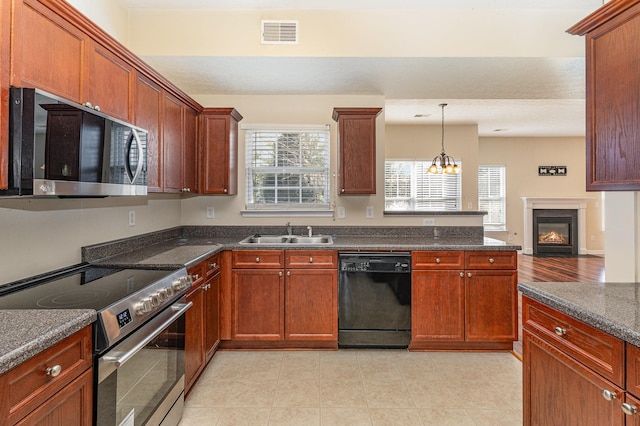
(496, 417)
(373, 370)
(198, 416)
(339, 370)
(342, 393)
(481, 396)
(297, 393)
(300, 368)
(391, 394)
(419, 369)
(260, 369)
(445, 417)
(252, 393)
(432, 394)
(345, 417)
(209, 394)
(395, 417)
(243, 417)
(294, 417)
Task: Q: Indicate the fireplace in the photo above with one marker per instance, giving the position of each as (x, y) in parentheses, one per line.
(555, 232)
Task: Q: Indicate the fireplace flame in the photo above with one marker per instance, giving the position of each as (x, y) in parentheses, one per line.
(552, 238)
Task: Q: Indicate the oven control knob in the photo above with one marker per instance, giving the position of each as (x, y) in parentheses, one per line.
(143, 306)
(155, 300)
(163, 294)
(168, 291)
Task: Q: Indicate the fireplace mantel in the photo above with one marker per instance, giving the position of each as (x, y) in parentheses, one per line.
(579, 204)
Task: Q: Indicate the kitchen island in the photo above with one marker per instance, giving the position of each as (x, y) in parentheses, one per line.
(581, 353)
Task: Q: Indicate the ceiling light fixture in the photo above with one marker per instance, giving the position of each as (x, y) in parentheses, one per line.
(447, 163)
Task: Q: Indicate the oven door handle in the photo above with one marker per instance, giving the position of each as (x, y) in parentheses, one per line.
(179, 308)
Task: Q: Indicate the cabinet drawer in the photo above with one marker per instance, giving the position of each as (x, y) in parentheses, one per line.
(211, 265)
(311, 259)
(437, 260)
(633, 369)
(197, 273)
(596, 349)
(491, 260)
(28, 384)
(256, 259)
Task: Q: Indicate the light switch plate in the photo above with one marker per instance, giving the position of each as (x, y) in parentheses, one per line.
(132, 217)
(429, 221)
(211, 213)
(341, 213)
(369, 212)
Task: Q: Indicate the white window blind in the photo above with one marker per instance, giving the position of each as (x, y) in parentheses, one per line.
(408, 187)
(287, 168)
(491, 196)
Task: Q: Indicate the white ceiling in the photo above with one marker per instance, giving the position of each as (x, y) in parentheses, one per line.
(525, 97)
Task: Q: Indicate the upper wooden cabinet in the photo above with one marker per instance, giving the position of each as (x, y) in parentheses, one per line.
(189, 150)
(219, 151)
(148, 113)
(179, 145)
(357, 149)
(612, 93)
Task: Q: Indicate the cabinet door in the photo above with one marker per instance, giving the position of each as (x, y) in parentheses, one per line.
(108, 82)
(311, 306)
(491, 312)
(212, 315)
(357, 149)
(561, 391)
(148, 107)
(48, 52)
(72, 406)
(437, 305)
(194, 337)
(172, 120)
(189, 146)
(632, 411)
(258, 304)
(219, 151)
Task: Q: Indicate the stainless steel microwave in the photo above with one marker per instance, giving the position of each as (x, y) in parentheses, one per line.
(63, 149)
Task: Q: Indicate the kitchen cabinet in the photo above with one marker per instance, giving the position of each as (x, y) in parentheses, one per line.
(189, 150)
(284, 298)
(53, 387)
(612, 92)
(179, 145)
(202, 334)
(573, 373)
(463, 300)
(219, 151)
(148, 113)
(356, 150)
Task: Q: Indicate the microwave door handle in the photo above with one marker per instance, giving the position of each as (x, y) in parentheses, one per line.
(134, 137)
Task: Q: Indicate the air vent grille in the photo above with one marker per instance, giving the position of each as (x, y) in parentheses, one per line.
(279, 32)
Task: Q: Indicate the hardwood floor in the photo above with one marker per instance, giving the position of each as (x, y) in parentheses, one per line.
(555, 269)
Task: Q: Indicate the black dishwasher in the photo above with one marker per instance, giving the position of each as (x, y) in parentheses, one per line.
(374, 300)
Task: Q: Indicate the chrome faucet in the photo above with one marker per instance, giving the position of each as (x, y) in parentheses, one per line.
(288, 225)
(310, 231)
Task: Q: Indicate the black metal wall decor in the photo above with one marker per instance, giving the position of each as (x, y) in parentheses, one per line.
(552, 170)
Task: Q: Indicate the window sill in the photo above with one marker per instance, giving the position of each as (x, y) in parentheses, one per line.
(286, 213)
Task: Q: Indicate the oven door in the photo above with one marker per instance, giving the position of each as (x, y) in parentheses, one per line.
(141, 379)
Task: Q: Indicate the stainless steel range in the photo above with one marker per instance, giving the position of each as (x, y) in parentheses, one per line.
(138, 337)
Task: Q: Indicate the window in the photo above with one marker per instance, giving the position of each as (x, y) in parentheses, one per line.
(287, 168)
(408, 187)
(491, 197)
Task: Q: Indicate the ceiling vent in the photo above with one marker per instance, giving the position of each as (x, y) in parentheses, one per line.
(279, 32)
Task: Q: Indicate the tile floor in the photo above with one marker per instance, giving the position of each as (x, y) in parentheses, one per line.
(357, 387)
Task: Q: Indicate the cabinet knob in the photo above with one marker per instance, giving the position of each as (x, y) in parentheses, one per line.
(469, 274)
(560, 331)
(257, 260)
(491, 260)
(342, 190)
(213, 265)
(97, 107)
(279, 274)
(54, 371)
(609, 395)
(224, 190)
(462, 274)
(288, 273)
(311, 260)
(629, 409)
(437, 260)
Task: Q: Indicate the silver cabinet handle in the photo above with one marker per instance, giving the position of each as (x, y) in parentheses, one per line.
(288, 273)
(54, 371)
(257, 260)
(311, 260)
(629, 409)
(213, 265)
(224, 190)
(342, 190)
(437, 260)
(491, 260)
(279, 274)
(609, 395)
(469, 274)
(462, 274)
(560, 331)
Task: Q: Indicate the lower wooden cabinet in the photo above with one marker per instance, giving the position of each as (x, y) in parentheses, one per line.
(257, 304)
(194, 337)
(310, 307)
(437, 306)
(31, 395)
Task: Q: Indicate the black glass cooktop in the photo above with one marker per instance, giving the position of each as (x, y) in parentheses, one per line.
(84, 287)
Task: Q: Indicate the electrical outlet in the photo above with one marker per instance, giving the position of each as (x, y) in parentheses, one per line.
(510, 237)
(593, 238)
(132, 217)
(470, 205)
(369, 212)
(211, 213)
(429, 221)
(341, 213)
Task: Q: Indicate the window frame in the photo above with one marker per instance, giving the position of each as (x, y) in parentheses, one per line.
(502, 198)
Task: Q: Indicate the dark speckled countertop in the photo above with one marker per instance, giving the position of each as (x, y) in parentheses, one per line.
(28, 332)
(611, 307)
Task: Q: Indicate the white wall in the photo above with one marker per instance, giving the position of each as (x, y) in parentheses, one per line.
(110, 15)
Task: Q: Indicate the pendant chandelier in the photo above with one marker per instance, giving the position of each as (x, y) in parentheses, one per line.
(447, 163)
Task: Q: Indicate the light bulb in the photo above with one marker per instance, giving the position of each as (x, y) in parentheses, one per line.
(433, 169)
(456, 169)
(448, 169)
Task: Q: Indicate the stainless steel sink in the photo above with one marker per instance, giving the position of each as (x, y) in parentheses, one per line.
(287, 240)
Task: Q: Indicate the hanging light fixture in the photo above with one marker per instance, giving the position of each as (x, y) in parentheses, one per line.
(447, 163)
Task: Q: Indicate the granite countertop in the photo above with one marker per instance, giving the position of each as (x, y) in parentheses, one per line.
(28, 332)
(611, 307)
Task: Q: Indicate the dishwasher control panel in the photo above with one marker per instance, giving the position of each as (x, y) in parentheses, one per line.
(375, 262)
